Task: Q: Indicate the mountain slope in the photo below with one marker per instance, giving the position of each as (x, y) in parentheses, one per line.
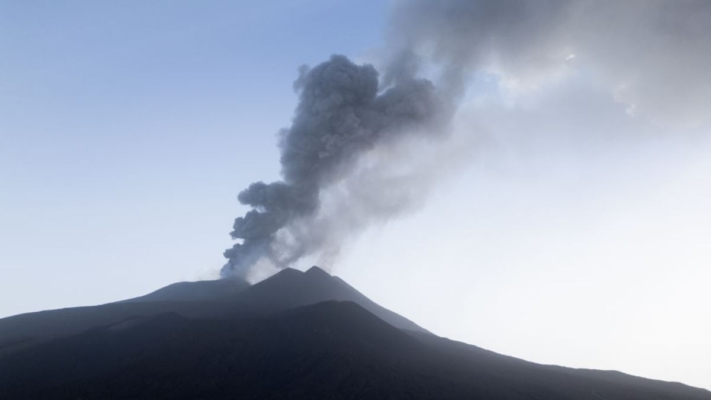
(330, 350)
(207, 299)
(291, 288)
(196, 291)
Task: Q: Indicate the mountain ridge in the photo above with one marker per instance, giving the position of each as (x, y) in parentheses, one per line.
(329, 350)
(294, 335)
(286, 289)
(195, 291)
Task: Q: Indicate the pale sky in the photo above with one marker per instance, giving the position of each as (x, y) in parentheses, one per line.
(570, 226)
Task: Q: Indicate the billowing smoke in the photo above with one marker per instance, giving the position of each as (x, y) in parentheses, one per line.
(343, 114)
(356, 152)
(653, 55)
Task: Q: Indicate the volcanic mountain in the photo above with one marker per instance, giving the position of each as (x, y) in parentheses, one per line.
(296, 335)
(226, 298)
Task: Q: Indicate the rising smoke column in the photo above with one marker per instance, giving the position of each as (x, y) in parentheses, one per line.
(653, 56)
(342, 114)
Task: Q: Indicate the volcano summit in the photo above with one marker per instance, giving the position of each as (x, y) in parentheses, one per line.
(294, 335)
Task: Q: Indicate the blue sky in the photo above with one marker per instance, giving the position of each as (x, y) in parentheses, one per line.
(128, 128)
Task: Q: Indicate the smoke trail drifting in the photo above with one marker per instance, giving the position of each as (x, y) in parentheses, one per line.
(342, 115)
(653, 55)
(345, 159)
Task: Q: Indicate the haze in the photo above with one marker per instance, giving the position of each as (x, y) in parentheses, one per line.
(569, 222)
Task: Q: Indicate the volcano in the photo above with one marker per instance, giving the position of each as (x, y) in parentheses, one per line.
(296, 335)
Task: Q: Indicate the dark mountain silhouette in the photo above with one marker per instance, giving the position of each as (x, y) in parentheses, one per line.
(20, 331)
(293, 336)
(291, 288)
(330, 350)
(196, 291)
(210, 299)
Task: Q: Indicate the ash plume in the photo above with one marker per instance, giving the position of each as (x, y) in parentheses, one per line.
(356, 152)
(652, 55)
(343, 114)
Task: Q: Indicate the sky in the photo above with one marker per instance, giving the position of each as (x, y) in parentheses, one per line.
(569, 221)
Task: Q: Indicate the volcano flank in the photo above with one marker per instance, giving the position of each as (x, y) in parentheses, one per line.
(294, 335)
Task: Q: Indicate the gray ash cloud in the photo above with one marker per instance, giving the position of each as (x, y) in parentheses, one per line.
(348, 159)
(342, 114)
